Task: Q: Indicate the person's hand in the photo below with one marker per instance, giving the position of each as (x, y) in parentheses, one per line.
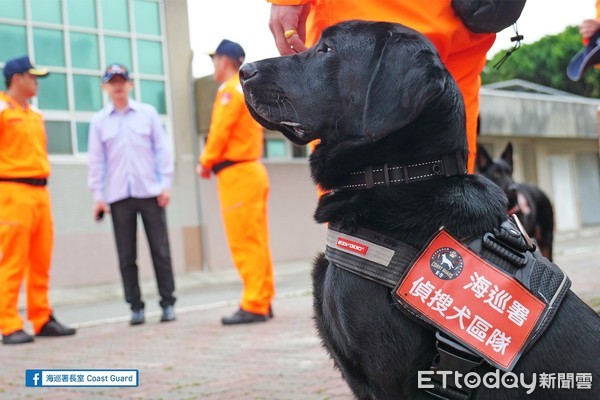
(589, 27)
(289, 19)
(202, 172)
(99, 210)
(163, 198)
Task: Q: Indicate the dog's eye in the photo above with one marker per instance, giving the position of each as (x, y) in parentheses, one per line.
(323, 48)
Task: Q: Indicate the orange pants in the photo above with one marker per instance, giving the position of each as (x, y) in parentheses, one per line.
(243, 191)
(26, 236)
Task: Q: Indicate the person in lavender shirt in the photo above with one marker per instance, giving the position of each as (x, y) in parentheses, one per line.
(129, 173)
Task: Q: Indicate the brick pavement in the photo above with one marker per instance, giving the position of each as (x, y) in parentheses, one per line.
(192, 358)
(197, 358)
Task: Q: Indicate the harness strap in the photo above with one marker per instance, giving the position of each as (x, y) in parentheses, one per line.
(385, 260)
(380, 259)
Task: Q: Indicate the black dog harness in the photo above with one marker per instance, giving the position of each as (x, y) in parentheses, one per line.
(503, 267)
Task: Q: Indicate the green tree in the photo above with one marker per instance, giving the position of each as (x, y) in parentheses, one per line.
(545, 62)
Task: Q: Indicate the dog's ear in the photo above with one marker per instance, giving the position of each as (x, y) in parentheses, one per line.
(483, 159)
(407, 78)
(507, 154)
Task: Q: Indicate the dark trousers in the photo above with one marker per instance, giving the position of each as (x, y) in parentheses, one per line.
(124, 216)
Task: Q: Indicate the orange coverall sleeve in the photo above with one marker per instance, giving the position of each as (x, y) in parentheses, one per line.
(226, 111)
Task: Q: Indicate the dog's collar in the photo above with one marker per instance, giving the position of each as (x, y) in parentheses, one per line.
(388, 174)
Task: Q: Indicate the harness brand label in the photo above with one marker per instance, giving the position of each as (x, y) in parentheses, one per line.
(352, 246)
(477, 304)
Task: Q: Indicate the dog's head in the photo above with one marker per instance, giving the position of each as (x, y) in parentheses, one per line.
(361, 83)
(498, 171)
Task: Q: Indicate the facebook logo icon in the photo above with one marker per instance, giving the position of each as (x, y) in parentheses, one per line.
(33, 378)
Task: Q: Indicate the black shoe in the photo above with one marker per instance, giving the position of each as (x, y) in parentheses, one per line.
(137, 317)
(55, 328)
(271, 315)
(17, 337)
(243, 317)
(168, 314)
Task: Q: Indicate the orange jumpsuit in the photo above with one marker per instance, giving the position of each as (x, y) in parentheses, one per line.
(243, 190)
(25, 219)
(462, 51)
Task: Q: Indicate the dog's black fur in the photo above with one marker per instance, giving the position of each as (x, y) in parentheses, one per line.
(536, 215)
(376, 93)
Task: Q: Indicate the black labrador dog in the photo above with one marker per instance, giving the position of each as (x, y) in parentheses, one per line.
(528, 202)
(376, 93)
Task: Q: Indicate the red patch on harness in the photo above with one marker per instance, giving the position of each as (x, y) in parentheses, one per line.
(479, 305)
(352, 246)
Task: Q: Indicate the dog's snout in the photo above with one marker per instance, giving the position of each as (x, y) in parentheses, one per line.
(247, 72)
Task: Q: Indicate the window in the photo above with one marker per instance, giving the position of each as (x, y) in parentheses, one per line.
(75, 40)
(49, 47)
(82, 13)
(59, 137)
(276, 147)
(153, 92)
(14, 42)
(88, 96)
(84, 51)
(117, 50)
(52, 92)
(115, 15)
(150, 57)
(48, 11)
(147, 17)
(83, 129)
(12, 9)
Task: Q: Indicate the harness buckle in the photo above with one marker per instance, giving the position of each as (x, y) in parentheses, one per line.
(369, 181)
(451, 356)
(530, 245)
(386, 175)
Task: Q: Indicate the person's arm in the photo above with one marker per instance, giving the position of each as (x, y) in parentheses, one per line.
(589, 26)
(96, 169)
(96, 161)
(162, 158)
(227, 108)
(289, 15)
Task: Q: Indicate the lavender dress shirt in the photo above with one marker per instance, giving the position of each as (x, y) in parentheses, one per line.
(128, 152)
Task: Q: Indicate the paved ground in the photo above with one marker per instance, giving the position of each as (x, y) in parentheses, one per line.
(196, 358)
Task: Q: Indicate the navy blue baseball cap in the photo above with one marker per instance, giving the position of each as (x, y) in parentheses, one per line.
(585, 58)
(21, 65)
(114, 70)
(230, 49)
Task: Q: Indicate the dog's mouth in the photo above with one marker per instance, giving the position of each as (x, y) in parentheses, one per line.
(302, 132)
(269, 116)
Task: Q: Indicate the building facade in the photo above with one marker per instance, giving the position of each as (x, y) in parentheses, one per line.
(76, 40)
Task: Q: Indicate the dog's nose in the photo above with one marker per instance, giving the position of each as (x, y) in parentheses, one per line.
(248, 71)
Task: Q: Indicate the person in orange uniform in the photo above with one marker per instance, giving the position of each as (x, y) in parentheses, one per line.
(25, 218)
(296, 24)
(232, 152)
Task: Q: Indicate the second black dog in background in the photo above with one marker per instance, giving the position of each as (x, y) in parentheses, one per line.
(528, 202)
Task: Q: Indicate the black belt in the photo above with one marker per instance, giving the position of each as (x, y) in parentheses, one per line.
(226, 164)
(27, 181)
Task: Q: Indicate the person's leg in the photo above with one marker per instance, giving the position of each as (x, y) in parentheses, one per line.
(15, 224)
(465, 66)
(242, 193)
(124, 218)
(155, 224)
(38, 277)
